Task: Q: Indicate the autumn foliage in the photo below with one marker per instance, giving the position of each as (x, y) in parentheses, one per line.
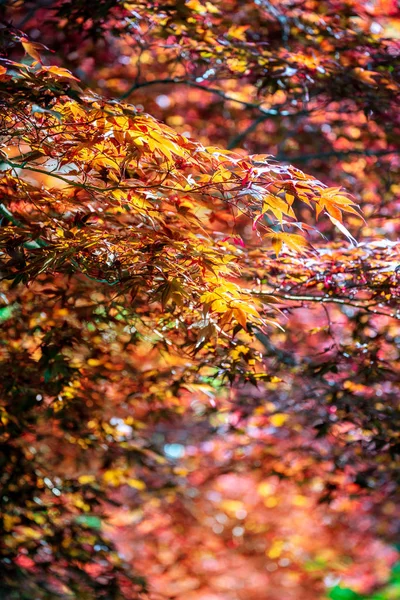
(200, 352)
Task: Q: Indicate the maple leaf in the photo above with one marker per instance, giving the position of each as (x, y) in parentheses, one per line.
(164, 364)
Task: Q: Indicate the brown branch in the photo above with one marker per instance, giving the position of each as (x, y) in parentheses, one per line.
(241, 136)
(271, 112)
(334, 153)
(327, 300)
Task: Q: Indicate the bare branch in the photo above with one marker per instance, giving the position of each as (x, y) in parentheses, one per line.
(241, 136)
(270, 112)
(341, 154)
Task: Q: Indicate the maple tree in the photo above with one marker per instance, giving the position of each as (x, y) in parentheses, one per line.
(200, 360)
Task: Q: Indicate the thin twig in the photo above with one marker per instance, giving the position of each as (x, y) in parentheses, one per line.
(326, 299)
(270, 112)
(334, 153)
(241, 136)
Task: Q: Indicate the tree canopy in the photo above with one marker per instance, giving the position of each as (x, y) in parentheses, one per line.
(200, 286)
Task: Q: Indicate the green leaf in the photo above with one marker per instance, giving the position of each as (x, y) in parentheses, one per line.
(6, 312)
(89, 521)
(340, 593)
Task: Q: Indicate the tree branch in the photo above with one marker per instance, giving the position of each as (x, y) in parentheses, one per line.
(267, 112)
(241, 136)
(327, 300)
(333, 153)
